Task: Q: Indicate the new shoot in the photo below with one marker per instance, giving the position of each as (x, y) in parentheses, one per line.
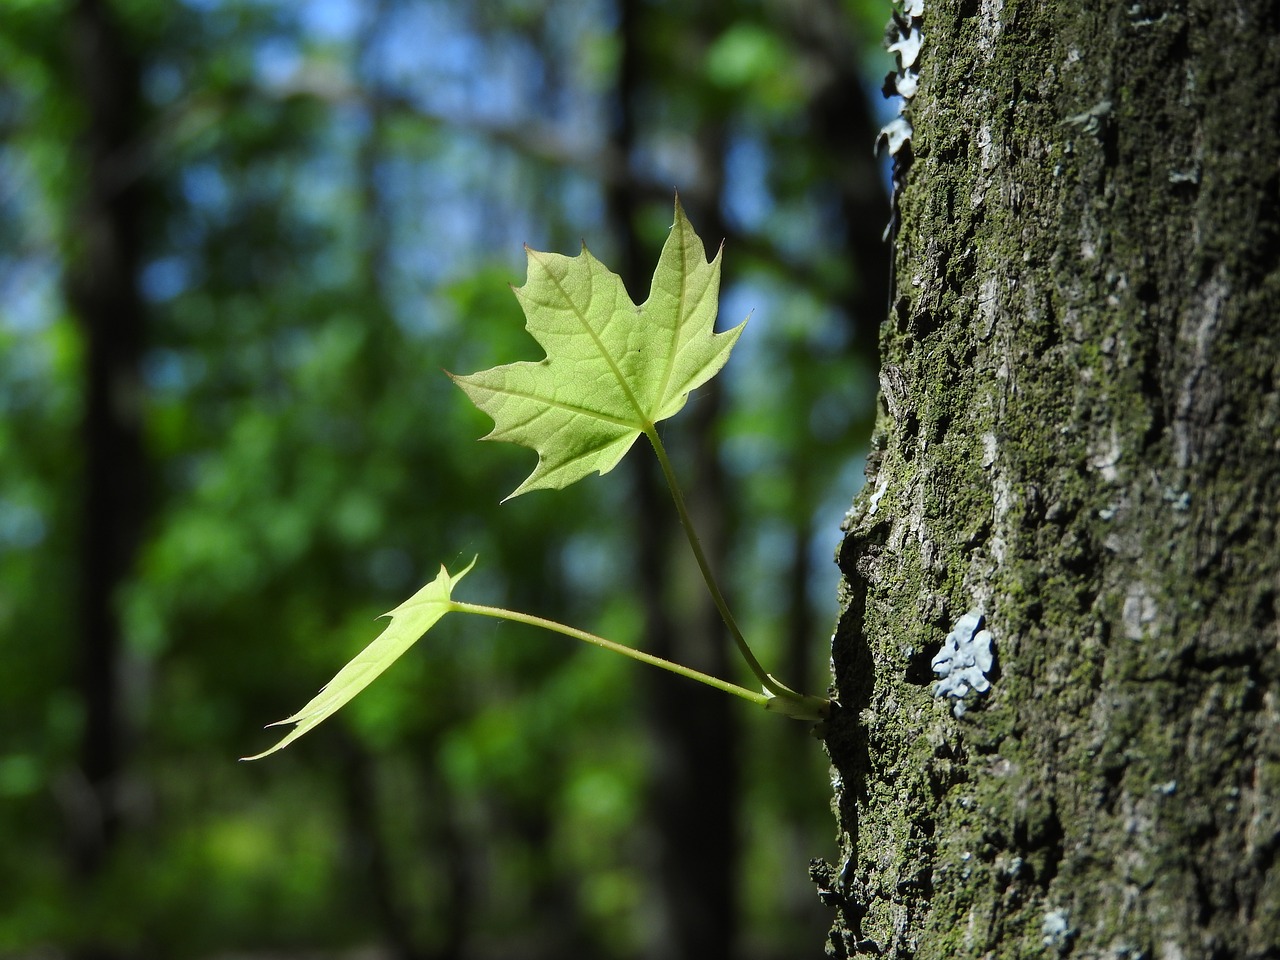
(612, 372)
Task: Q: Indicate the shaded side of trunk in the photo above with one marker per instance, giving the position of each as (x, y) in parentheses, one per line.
(1078, 439)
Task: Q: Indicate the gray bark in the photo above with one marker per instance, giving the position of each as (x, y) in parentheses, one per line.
(1079, 436)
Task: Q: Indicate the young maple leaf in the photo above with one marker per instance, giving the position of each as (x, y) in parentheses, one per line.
(409, 622)
(612, 369)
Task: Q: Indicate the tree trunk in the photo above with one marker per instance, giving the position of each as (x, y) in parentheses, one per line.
(103, 292)
(692, 798)
(1080, 438)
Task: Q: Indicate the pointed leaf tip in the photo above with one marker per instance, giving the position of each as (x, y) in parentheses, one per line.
(409, 621)
(612, 369)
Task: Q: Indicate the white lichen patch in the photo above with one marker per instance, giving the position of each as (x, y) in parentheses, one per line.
(1056, 930)
(907, 47)
(1140, 611)
(964, 661)
(895, 134)
(905, 81)
(873, 504)
(1105, 456)
(990, 447)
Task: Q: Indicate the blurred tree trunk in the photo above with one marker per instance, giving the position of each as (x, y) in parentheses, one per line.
(384, 880)
(103, 292)
(368, 850)
(692, 802)
(1080, 439)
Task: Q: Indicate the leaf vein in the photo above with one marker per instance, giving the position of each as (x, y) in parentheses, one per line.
(567, 407)
(580, 313)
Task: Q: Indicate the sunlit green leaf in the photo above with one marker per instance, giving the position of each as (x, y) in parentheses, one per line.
(612, 369)
(409, 621)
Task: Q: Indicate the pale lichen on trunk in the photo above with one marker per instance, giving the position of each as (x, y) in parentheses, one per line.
(1080, 438)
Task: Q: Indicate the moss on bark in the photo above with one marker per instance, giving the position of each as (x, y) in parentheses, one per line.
(1083, 357)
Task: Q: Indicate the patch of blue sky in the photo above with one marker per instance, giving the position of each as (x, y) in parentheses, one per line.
(671, 156)
(747, 201)
(590, 561)
(29, 290)
(172, 371)
(162, 83)
(738, 301)
(838, 490)
(883, 110)
(436, 58)
(165, 278)
(331, 21)
(454, 227)
(799, 234)
(582, 195)
(204, 186)
(277, 61)
(22, 525)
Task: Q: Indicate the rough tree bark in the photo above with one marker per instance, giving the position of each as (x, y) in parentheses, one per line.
(1080, 436)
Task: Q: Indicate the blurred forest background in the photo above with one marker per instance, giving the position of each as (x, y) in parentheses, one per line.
(239, 240)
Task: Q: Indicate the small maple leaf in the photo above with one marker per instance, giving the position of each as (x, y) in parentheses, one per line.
(409, 622)
(612, 369)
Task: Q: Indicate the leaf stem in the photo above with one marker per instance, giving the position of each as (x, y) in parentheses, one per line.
(770, 684)
(500, 613)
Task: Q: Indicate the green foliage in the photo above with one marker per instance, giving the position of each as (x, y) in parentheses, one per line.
(612, 369)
